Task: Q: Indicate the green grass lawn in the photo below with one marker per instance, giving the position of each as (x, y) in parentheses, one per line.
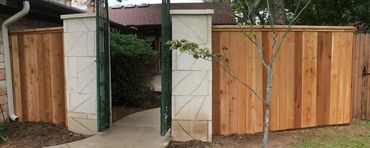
(357, 135)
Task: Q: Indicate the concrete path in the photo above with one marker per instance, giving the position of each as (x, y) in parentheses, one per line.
(139, 130)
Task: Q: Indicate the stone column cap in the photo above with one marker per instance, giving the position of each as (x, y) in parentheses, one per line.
(191, 11)
(77, 15)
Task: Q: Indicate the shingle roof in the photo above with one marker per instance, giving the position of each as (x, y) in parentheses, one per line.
(151, 15)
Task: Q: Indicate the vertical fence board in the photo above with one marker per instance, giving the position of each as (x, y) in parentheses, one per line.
(324, 48)
(216, 90)
(224, 95)
(309, 63)
(38, 75)
(312, 80)
(257, 108)
(360, 90)
(16, 76)
(298, 81)
(243, 63)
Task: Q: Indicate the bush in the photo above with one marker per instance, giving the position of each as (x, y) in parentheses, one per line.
(132, 66)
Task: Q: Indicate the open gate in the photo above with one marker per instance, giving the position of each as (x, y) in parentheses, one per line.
(103, 65)
(166, 69)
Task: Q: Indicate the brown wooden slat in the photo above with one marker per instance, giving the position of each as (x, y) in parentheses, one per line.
(242, 113)
(234, 45)
(216, 90)
(324, 43)
(224, 97)
(309, 73)
(17, 95)
(257, 82)
(298, 81)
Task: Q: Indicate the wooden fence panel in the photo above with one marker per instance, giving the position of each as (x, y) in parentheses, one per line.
(38, 75)
(361, 88)
(312, 79)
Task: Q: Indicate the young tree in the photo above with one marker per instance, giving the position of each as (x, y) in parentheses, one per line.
(249, 9)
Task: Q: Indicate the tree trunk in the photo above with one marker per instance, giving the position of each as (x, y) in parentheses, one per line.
(268, 106)
(277, 12)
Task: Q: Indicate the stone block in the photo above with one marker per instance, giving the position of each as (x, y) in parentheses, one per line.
(91, 49)
(2, 87)
(185, 61)
(80, 25)
(75, 44)
(82, 126)
(189, 130)
(72, 67)
(82, 103)
(186, 83)
(2, 74)
(191, 27)
(189, 107)
(3, 99)
(88, 106)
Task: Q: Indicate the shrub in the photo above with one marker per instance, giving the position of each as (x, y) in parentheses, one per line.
(132, 66)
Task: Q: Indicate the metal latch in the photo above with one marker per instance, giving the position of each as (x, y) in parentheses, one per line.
(364, 72)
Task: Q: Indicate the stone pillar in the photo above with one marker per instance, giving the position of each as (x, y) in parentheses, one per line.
(80, 71)
(191, 78)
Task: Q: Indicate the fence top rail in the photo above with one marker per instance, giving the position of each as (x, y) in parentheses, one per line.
(37, 30)
(282, 28)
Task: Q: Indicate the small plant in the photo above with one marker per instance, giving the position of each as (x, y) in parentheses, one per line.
(3, 130)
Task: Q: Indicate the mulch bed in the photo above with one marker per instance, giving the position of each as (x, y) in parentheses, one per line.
(37, 134)
(42, 134)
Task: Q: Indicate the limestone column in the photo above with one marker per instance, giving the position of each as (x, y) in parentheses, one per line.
(191, 78)
(80, 72)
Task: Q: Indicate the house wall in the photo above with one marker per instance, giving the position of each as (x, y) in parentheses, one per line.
(24, 23)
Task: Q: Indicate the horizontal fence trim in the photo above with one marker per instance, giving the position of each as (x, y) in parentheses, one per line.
(37, 30)
(282, 28)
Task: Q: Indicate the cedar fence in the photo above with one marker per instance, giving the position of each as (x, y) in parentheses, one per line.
(361, 86)
(38, 75)
(312, 79)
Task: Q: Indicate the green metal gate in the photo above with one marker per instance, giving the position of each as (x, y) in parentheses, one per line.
(103, 65)
(165, 69)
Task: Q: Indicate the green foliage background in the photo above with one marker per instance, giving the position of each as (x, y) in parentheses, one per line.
(132, 65)
(318, 12)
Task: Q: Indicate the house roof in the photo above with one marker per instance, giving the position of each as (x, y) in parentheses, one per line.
(151, 15)
(48, 11)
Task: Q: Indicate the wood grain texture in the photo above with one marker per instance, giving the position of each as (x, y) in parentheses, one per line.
(324, 48)
(312, 80)
(38, 75)
(360, 90)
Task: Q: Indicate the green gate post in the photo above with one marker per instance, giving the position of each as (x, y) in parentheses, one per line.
(103, 65)
(165, 69)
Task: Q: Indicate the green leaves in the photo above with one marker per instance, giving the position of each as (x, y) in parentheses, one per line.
(194, 49)
(133, 63)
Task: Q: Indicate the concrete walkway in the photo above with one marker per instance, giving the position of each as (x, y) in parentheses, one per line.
(139, 130)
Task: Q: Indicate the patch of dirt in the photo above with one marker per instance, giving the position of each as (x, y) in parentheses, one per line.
(280, 139)
(119, 112)
(37, 134)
